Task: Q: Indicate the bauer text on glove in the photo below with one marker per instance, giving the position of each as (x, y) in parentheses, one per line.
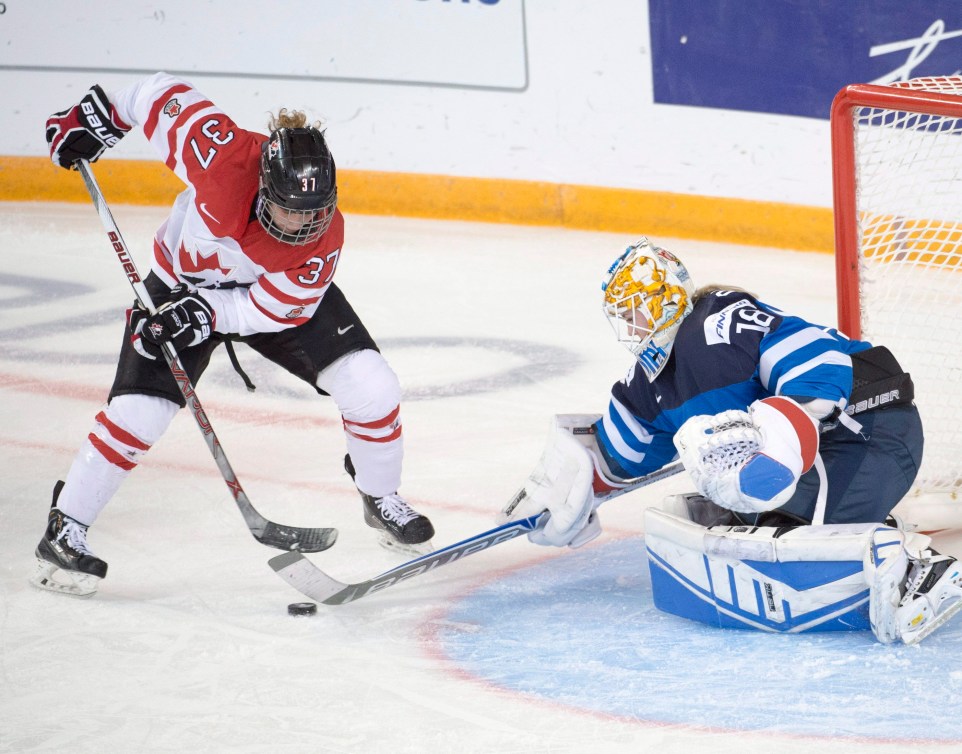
(185, 321)
(85, 130)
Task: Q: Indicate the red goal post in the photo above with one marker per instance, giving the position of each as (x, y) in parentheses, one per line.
(897, 180)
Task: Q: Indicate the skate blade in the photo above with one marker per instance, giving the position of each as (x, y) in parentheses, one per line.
(389, 543)
(52, 578)
(933, 624)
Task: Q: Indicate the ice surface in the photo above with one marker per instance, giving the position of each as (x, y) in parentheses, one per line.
(492, 329)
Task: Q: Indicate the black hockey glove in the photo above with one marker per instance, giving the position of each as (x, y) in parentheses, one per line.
(184, 321)
(85, 130)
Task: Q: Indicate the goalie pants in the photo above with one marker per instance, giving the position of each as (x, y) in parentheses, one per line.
(868, 472)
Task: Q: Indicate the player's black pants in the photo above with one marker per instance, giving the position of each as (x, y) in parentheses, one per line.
(334, 331)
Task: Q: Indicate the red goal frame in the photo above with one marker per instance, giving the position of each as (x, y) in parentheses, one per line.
(844, 186)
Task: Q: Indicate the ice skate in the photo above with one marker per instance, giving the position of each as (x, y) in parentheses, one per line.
(64, 562)
(933, 594)
(401, 527)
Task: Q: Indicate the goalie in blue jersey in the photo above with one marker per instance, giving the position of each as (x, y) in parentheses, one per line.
(796, 437)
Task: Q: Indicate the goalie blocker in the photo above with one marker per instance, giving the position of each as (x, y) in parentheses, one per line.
(570, 482)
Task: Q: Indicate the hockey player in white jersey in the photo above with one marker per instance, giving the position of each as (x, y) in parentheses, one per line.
(248, 253)
(780, 423)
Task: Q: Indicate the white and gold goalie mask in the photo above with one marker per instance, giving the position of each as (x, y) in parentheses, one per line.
(646, 296)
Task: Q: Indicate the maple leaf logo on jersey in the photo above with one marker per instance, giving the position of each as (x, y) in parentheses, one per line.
(195, 263)
(172, 108)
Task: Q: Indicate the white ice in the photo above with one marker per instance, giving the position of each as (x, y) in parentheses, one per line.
(188, 647)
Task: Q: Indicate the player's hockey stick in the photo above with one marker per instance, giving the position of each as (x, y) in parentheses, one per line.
(311, 581)
(264, 531)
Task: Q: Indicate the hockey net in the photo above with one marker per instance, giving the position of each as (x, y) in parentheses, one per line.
(897, 167)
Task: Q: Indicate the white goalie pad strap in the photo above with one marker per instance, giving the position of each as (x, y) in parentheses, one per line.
(750, 462)
(808, 578)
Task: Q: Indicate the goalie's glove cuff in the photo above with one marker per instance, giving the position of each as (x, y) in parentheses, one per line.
(602, 484)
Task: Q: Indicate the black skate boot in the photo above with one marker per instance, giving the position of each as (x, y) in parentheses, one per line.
(402, 527)
(64, 562)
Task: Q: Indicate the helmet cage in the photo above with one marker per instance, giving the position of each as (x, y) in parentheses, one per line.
(298, 188)
(647, 295)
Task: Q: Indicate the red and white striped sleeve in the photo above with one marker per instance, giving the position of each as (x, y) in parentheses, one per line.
(167, 108)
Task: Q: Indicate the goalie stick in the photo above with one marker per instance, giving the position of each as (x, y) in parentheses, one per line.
(311, 581)
(266, 532)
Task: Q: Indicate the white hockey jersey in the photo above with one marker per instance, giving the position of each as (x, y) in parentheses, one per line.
(211, 240)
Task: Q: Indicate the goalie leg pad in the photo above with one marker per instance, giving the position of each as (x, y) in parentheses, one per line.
(807, 579)
(886, 564)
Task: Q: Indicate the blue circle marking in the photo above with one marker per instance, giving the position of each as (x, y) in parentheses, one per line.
(581, 630)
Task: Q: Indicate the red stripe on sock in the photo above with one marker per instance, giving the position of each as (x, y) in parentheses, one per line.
(377, 423)
(110, 454)
(367, 438)
(121, 434)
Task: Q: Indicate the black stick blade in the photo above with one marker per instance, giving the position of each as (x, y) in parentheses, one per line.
(295, 538)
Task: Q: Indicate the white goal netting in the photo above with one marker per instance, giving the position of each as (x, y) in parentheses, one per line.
(908, 211)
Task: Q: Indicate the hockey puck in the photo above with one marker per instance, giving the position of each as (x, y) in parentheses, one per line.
(301, 608)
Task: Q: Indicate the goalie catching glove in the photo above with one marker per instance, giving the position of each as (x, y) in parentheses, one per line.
(184, 321)
(569, 483)
(84, 131)
(749, 462)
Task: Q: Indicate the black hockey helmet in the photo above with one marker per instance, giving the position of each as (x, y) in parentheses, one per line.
(298, 191)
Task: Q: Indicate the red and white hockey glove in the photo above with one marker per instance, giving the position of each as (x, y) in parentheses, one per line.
(749, 462)
(85, 130)
(184, 321)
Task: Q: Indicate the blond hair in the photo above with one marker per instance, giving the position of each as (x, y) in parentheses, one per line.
(707, 290)
(290, 119)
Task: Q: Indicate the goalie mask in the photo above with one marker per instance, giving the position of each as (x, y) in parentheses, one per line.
(647, 295)
(298, 189)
